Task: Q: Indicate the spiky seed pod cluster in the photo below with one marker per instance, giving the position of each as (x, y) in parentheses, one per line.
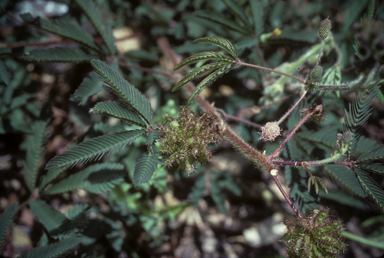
(325, 28)
(186, 139)
(270, 131)
(317, 235)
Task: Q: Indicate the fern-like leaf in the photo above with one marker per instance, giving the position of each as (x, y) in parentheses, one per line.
(113, 109)
(197, 72)
(96, 179)
(94, 148)
(153, 136)
(6, 221)
(50, 176)
(375, 154)
(94, 15)
(220, 42)
(357, 116)
(374, 168)
(35, 149)
(57, 54)
(209, 80)
(65, 28)
(344, 177)
(257, 16)
(126, 91)
(53, 250)
(89, 87)
(203, 56)
(5, 76)
(46, 215)
(222, 20)
(145, 166)
(238, 11)
(217, 196)
(372, 189)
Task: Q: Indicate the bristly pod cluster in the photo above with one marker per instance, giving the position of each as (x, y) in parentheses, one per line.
(186, 139)
(270, 131)
(317, 235)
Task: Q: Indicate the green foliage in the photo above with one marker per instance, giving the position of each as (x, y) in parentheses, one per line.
(34, 150)
(53, 250)
(57, 54)
(89, 87)
(96, 179)
(6, 221)
(94, 15)
(124, 90)
(145, 166)
(94, 148)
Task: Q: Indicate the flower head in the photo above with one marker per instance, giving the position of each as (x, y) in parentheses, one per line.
(270, 131)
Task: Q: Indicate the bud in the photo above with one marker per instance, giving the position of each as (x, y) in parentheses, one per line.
(325, 28)
(316, 72)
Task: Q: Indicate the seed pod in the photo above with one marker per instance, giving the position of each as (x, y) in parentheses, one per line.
(325, 28)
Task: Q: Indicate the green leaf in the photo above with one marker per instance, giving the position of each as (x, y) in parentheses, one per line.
(89, 87)
(126, 91)
(197, 72)
(372, 189)
(153, 136)
(46, 215)
(220, 42)
(113, 109)
(94, 15)
(354, 8)
(257, 16)
(217, 196)
(96, 179)
(237, 10)
(358, 115)
(198, 189)
(57, 54)
(53, 250)
(377, 153)
(222, 20)
(145, 166)
(50, 176)
(209, 80)
(6, 221)
(65, 28)
(94, 148)
(344, 177)
(5, 76)
(375, 168)
(203, 56)
(34, 150)
(342, 198)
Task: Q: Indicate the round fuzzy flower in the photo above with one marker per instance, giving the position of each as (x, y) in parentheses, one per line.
(317, 235)
(186, 139)
(270, 131)
(325, 28)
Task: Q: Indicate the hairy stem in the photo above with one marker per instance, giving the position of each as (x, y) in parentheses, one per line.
(290, 135)
(238, 119)
(286, 197)
(292, 108)
(271, 70)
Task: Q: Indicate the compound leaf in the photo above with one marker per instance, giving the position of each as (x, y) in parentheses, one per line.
(196, 72)
(209, 55)
(153, 136)
(113, 109)
(94, 15)
(372, 189)
(57, 54)
(237, 10)
(6, 221)
(257, 16)
(48, 216)
(375, 168)
(94, 148)
(377, 153)
(220, 42)
(53, 250)
(34, 150)
(123, 89)
(89, 87)
(65, 28)
(96, 179)
(145, 165)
